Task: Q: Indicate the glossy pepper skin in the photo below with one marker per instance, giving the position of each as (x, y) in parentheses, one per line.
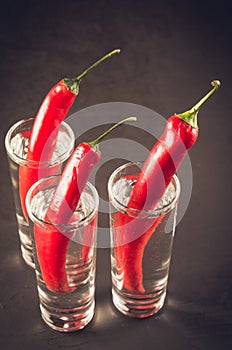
(156, 174)
(165, 157)
(44, 136)
(129, 254)
(162, 163)
(52, 112)
(52, 244)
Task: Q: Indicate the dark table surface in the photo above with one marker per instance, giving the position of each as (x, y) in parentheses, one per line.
(170, 53)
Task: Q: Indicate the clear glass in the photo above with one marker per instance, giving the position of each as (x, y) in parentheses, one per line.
(16, 143)
(141, 245)
(71, 306)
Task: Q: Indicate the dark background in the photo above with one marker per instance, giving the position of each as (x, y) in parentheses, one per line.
(170, 53)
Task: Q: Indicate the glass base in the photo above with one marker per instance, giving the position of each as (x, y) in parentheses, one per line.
(25, 240)
(138, 306)
(67, 320)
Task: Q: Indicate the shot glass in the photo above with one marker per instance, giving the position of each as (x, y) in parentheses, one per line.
(16, 144)
(65, 257)
(141, 245)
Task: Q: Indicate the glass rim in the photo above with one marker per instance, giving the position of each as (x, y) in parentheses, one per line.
(41, 163)
(73, 225)
(143, 212)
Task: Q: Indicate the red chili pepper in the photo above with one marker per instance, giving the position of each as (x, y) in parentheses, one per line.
(51, 244)
(46, 126)
(88, 240)
(129, 255)
(180, 134)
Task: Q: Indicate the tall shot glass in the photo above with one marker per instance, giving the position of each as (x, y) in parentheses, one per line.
(16, 144)
(65, 257)
(141, 245)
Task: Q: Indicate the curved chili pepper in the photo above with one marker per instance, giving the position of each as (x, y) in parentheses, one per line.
(180, 134)
(129, 255)
(51, 244)
(52, 112)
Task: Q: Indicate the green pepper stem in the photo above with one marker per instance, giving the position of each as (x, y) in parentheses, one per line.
(96, 142)
(215, 84)
(108, 55)
(190, 116)
(73, 83)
